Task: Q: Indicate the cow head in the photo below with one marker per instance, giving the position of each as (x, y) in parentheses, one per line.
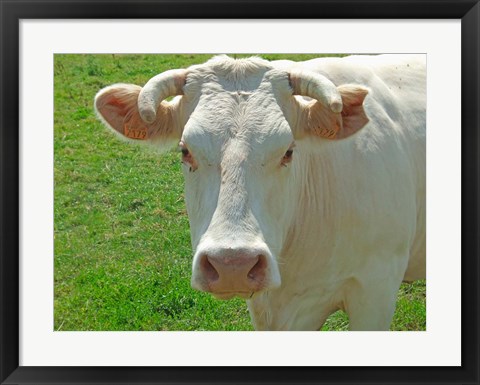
(236, 123)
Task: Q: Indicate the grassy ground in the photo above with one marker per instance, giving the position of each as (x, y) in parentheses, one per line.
(122, 244)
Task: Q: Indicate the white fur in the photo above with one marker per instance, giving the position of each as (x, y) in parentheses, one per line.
(344, 219)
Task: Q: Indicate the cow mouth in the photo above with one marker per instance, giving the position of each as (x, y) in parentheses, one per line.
(231, 294)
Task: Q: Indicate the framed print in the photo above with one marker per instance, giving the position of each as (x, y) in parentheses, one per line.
(324, 229)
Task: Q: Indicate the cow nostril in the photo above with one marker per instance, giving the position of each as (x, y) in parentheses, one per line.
(208, 269)
(257, 272)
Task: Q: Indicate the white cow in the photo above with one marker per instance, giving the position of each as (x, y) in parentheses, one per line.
(305, 182)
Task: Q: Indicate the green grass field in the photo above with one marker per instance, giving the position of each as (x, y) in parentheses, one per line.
(122, 244)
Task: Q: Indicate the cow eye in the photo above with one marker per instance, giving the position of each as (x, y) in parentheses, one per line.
(287, 158)
(184, 150)
(187, 158)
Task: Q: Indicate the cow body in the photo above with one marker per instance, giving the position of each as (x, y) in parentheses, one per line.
(305, 182)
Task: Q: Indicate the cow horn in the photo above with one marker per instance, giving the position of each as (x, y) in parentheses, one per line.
(316, 86)
(168, 83)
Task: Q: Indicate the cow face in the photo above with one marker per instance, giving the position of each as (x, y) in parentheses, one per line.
(236, 124)
(237, 148)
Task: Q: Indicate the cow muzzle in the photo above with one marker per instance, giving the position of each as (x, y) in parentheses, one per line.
(229, 272)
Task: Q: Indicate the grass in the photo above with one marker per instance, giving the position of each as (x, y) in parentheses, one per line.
(122, 243)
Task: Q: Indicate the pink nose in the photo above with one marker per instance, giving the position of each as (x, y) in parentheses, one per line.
(233, 272)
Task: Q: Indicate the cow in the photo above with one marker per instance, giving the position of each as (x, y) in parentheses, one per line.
(304, 181)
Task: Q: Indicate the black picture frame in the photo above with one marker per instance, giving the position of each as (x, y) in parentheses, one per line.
(13, 11)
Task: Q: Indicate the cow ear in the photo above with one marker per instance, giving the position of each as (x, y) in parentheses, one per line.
(353, 114)
(321, 121)
(117, 107)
